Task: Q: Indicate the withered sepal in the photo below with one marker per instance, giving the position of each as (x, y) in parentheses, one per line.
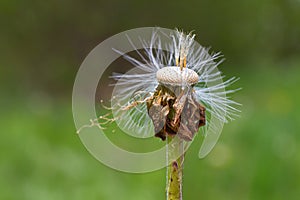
(171, 115)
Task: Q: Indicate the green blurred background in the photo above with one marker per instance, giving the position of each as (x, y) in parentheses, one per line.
(42, 44)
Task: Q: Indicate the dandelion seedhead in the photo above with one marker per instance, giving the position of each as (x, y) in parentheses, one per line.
(175, 88)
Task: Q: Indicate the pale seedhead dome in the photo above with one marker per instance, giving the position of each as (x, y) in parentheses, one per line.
(175, 76)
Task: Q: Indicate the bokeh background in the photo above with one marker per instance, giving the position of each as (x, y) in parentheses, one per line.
(42, 44)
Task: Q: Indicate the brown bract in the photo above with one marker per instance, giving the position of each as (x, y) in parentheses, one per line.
(174, 110)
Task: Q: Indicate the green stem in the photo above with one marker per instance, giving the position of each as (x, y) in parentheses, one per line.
(175, 169)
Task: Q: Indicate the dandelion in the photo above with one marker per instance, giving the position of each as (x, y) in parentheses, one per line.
(174, 93)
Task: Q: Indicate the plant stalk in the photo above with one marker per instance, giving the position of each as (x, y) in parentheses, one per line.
(174, 168)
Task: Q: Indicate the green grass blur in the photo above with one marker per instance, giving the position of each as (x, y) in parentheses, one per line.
(42, 47)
